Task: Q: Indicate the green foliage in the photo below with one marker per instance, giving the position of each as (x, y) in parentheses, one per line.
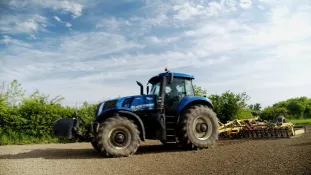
(198, 91)
(3, 106)
(229, 105)
(12, 92)
(86, 114)
(255, 107)
(245, 114)
(31, 120)
(300, 121)
(294, 108)
(40, 113)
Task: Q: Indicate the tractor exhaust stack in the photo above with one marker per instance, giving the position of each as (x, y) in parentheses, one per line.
(141, 88)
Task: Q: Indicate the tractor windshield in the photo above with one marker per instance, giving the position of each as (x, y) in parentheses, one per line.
(155, 90)
(181, 86)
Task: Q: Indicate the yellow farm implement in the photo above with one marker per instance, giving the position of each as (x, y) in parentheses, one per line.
(255, 128)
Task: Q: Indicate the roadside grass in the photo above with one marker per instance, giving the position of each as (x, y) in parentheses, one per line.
(19, 139)
(15, 138)
(300, 121)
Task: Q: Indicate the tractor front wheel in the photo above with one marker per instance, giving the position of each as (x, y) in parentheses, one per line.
(118, 137)
(198, 127)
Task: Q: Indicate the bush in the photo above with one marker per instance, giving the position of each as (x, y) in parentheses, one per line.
(229, 106)
(294, 108)
(31, 121)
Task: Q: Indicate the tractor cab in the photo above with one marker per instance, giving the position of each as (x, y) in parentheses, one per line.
(173, 87)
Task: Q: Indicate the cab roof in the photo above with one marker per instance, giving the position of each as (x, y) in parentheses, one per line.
(157, 78)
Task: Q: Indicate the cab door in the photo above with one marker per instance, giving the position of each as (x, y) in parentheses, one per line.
(174, 93)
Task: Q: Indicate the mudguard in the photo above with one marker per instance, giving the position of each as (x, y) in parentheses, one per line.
(128, 114)
(193, 99)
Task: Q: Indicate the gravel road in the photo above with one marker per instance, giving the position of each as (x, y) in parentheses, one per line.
(274, 156)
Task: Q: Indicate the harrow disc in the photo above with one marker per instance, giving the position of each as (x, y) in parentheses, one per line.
(255, 128)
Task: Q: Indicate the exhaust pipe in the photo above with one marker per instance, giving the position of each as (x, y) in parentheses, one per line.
(141, 88)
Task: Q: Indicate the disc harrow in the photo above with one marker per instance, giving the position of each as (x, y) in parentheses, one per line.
(256, 128)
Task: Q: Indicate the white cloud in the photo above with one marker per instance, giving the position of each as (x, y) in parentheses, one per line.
(246, 4)
(269, 61)
(57, 19)
(67, 24)
(65, 6)
(23, 24)
(86, 52)
(76, 50)
(227, 47)
(95, 44)
(8, 40)
(32, 37)
(283, 27)
(191, 10)
(157, 40)
(261, 7)
(113, 24)
(188, 10)
(158, 20)
(272, 78)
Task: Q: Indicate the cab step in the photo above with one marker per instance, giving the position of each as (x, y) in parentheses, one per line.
(170, 123)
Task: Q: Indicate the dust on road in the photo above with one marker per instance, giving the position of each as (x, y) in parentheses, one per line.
(273, 156)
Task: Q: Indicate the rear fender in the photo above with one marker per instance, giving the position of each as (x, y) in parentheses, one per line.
(189, 101)
(127, 114)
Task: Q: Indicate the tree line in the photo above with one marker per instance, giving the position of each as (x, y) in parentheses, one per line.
(28, 119)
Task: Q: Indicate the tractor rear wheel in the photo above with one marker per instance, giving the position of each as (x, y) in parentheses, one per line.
(118, 137)
(198, 127)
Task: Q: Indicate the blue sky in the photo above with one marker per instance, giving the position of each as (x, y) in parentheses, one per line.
(90, 50)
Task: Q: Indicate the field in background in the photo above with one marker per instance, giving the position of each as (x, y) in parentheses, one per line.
(300, 121)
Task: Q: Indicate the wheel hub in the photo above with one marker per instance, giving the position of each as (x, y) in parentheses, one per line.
(119, 138)
(202, 128)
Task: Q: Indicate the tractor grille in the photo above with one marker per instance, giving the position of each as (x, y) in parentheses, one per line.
(110, 104)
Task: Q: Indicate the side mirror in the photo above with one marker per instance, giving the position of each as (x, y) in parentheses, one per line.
(170, 78)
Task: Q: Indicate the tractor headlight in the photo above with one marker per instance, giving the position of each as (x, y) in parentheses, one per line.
(100, 108)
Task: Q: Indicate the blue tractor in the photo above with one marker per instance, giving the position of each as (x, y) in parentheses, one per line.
(170, 112)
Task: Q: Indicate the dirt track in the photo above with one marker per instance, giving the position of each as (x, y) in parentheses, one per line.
(282, 156)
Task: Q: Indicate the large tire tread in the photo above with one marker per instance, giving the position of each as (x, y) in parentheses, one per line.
(102, 137)
(187, 138)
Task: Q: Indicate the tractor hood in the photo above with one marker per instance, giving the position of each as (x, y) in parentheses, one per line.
(129, 103)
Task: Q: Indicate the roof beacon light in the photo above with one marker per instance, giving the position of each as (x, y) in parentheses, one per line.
(165, 68)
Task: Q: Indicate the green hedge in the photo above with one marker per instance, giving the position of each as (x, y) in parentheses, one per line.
(295, 108)
(31, 121)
